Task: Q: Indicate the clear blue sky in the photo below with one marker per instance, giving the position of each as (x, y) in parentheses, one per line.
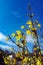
(13, 14)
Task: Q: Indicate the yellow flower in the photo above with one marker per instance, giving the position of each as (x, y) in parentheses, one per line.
(34, 53)
(33, 33)
(8, 58)
(28, 32)
(11, 49)
(18, 32)
(18, 37)
(7, 39)
(12, 34)
(39, 25)
(25, 59)
(32, 64)
(35, 49)
(39, 53)
(23, 37)
(38, 47)
(30, 26)
(17, 55)
(14, 61)
(34, 29)
(38, 62)
(22, 27)
(5, 61)
(21, 45)
(29, 22)
(29, 59)
(26, 52)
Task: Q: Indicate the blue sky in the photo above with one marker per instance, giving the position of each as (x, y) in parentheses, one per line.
(13, 14)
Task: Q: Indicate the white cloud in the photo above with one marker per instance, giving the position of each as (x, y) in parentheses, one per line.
(2, 36)
(4, 47)
(3, 39)
(30, 39)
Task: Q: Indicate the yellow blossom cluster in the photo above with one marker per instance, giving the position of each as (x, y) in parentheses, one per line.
(20, 36)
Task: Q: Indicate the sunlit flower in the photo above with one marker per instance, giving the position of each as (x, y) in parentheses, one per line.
(23, 37)
(19, 44)
(14, 61)
(26, 52)
(18, 32)
(35, 49)
(22, 27)
(8, 58)
(11, 49)
(7, 39)
(38, 47)
(17, 55)
(38, 62)
(33, 33)
(25, 59)
(34, 53)
(30, 26)
(34, 29)
(13, 34)
(39, 25)
(32, 64)
(29, 22)
(5, 61)
(18, 37)
(28, 32)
